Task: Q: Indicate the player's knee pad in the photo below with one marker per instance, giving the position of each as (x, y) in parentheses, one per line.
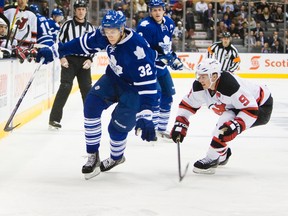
(94, 106)
(123, 119)
(115, 134)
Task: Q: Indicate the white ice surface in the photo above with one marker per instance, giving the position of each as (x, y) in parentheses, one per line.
(40, 170)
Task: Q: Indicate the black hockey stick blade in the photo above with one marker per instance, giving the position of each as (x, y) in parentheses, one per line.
(8, 128)
(181, 176)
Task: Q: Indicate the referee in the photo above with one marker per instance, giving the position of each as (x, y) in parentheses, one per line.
(226, 53)
(73, 65)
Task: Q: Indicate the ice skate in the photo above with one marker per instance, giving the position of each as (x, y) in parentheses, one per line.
(54, 125)
(109, 163)
(206, 166)
(223, 160)
(92, 166)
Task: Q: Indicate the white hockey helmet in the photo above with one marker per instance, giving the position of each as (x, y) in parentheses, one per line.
(2, 22)
(208, 66)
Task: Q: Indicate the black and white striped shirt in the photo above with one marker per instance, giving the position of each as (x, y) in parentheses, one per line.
(227, 56)
(72, 29)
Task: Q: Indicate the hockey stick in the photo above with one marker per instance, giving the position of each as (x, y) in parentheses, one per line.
(20, 42)
(7, 127)
(181, 176)
(12, 26)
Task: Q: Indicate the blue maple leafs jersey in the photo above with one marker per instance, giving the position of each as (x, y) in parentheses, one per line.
(44, 35)
(159, 36)
(54, 28)
(131, 61)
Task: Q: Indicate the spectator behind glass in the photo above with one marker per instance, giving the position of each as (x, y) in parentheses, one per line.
(227, 3)
(200, 7)
(44, 9)
(258, 29)
(262, 38)
(276, 47)
(234, 31)
(178, 9)
(278, 17)
(208, 14)
(141, 6)
(266, 48)
(179, 30)
(190, 24)
(266, 17)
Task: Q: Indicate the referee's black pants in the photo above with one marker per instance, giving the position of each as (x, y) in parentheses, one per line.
(66, 83)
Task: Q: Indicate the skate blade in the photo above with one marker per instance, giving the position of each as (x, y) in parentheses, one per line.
(96, 172)
(209, 171)
(51, 128)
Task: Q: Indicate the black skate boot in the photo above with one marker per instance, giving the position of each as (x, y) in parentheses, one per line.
(226, 156)
(92, 166)
(109, 163)
(206, 166)
(54, 125)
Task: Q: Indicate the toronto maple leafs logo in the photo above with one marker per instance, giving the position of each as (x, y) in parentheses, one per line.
(117, 69)
(139, 53)
(166, 45)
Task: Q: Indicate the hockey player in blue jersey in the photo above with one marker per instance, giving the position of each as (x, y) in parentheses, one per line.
(57, 16)
(44, 35)
(129, 80)
(158, 29)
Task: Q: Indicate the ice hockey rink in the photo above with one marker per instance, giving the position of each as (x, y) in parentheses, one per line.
(40, 170)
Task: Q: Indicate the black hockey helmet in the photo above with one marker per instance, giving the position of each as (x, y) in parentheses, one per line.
(80, 3)
(226, 34)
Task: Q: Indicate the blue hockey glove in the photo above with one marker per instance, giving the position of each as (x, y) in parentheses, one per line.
(171, 60)
(48, 53)
(177, 64)
(167, 59)
(145, 124)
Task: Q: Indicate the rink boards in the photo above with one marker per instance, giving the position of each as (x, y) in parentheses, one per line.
(15, 76)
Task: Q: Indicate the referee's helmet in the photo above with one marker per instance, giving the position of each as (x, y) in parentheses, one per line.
(226, 34)
(80, 3)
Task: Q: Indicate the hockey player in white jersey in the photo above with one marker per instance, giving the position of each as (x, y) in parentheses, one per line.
(130, 81)
(158, 29)
(20, 17)
(239, 103)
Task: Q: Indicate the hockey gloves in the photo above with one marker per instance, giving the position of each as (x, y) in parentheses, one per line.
(229, 130)
(171, 60)
(218, 108)
(48, 53)
(179, 130)
(145, 124)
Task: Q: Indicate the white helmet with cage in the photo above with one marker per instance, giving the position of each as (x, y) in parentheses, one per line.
(208, 66)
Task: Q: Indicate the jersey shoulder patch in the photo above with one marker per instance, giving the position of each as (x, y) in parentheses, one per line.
(144, 23)
(197, 86)
(227, 85)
